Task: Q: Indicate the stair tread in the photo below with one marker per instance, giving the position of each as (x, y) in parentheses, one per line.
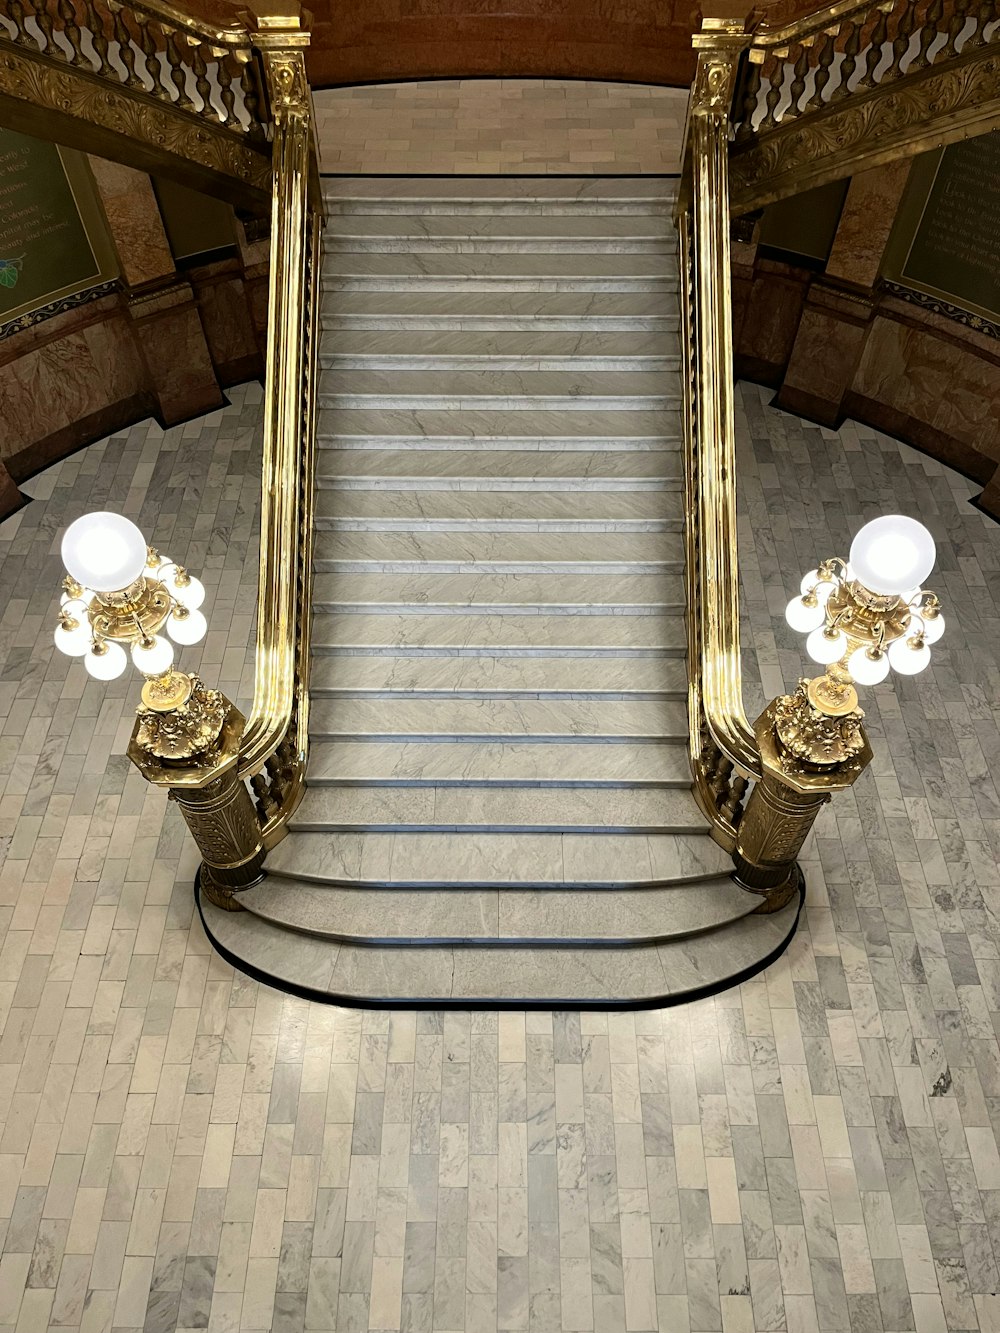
(497, 552)
(468, 633)
(448, 975)
(542, 594)
(534, 464)
(417, 224)
(473, 859)
(499, 916)
(627, 764)
(463, 342)
(651, 190)
(594, 809)
(516, 506)
(500, 424)
(488, 383)
(499, 677)
(583, 720)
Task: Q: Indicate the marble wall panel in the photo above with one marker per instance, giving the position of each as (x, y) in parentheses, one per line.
(227, 319)
(172, 339)
(865, 223)
(134, 220)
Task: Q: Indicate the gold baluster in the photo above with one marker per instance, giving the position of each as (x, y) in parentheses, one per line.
(800, 70)
(985, 15)
(94, 23)
(224, 78)
(878, 38)
(955, 25)
(905, 24)
(16, 15)
(151, 56)
(44, 21)
(748, 104)
(124, 43)
(929, 30)
(776, 78)
(178, 70)
(849, 63)
(823, 62)
(249, 89)
(201, 83)
(71, 30)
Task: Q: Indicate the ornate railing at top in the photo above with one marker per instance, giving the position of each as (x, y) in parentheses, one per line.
(273, 750)
(148, 47)
(724, 751)
(817, 61)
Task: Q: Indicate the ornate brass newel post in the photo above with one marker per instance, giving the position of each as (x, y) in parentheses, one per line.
(193, 751)
(806, 755)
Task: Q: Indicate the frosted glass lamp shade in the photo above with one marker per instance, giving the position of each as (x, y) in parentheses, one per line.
(74, 641)
(804, 618)
(812, 582)
(824, 649)
(932, 629)
(865, 669)
(892, 554)
(908, 658)
(104, 551)
(154, 656)
(190, 593)
(187, 629)
(106, 661)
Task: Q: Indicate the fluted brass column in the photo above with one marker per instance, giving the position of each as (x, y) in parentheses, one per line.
(193, 752)
(806, 756)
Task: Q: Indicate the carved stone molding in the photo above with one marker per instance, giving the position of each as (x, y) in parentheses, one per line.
(80, 110)
(922, 111)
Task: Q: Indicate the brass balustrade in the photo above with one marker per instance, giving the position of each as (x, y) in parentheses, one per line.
(855, 86)
(141, 82)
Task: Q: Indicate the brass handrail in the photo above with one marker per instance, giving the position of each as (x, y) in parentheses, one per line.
(724, 750)
(273, 750)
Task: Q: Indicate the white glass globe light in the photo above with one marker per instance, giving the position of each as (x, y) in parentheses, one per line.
(187, 629)
(908, 659)
(932, 630)
(104, 551)
(892, 554)
(865, 669)
(75, 641)
(190, 594)
(804, 618)
(812, 582)
(824, 649)
(154, 656)
(106, 661)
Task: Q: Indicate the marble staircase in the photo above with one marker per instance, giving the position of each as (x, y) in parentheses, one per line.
(498, 807)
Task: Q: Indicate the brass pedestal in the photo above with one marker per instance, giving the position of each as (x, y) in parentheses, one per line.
(806, 756)
(206, 786)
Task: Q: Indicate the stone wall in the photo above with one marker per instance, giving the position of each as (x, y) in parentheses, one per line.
(161, 342)
(843, 344)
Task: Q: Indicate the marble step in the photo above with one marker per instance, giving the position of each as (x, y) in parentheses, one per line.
(534, 312)
(449, 976)
(523, 446)
(523, 391)
(468, 635)
(493, 282)
(625, 766)
(567, 227)
(631, 348)
(597, 466)
(498, 678)
(547, 594)
(528, 860)
(332, 319)
(514, 510)
(542, 721)
(488, 809)
(481, 422)
(497, 553)
(461, 240)
(418, 359)
(489, 918)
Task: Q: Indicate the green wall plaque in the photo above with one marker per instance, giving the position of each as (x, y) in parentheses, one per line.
(53, 239)
(954, 249)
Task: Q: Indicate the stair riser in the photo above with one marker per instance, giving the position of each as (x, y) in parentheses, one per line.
(438, 650)
(501, 402)
(423, 282)
(331, 319)
(496, 245)
(617, 569)
(442, 363)
(620, 610)
(326, 523)
(529, 445)
(545, 485)
(505, 207)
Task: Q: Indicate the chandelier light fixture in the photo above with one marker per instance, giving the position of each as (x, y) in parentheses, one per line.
(869, 614)
(119, 595)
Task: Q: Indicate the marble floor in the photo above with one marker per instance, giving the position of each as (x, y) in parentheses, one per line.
(501, 126)
(182, 1148)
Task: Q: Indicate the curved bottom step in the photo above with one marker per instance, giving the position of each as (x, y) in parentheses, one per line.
(470, 977)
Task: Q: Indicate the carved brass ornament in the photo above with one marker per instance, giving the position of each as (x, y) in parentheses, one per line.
(813, 737)
(189, 728)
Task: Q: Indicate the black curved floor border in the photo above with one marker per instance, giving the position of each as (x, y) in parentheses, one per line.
(465, 1004)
